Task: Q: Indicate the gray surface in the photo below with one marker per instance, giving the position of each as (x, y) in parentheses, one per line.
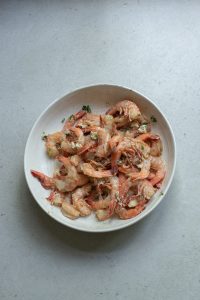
(48, 48)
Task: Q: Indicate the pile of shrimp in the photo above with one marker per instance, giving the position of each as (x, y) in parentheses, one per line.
(109, 164)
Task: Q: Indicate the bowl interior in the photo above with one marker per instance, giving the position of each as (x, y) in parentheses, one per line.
(100, 98)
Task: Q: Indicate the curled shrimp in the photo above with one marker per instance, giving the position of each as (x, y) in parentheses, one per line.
(126, 112)
(103, 215)
(79, 202)
(88, 170)
(143, 173)
(156, 143)
(125, 213)
(46, 181)
(158, 165)
(53, 142)
(72, 180)
(74, 140)
(100, 204)
(69, 211)
(146, 189)
(89, 120)
(129, 144)
(70, 122)
(56, 198)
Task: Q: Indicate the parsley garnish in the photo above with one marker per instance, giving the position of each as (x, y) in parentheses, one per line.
(161, 193)
(44, 136)
(86, 108)
(153, 119)
(63, 120)
(71, 117)
(94, 135)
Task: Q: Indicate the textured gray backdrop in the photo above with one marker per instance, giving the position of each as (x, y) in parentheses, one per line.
(48, 48)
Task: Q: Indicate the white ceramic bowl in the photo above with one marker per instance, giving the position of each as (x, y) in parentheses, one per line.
(99, 98)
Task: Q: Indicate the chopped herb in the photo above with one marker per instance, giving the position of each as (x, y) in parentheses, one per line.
(67, 132)
(44, 136)
(63, 120)
(142, 128)
(142, 147)
(86, 108)
(161, 193)
(71, 117)
(153, 119)
(94, 135)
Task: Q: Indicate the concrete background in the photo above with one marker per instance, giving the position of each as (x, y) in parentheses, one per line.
(48, 48)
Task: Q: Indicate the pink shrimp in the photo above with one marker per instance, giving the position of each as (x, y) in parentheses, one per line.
(70, 122)
(88, 170)
(147, 136)
(46, 181)
(126, 111)
(156, 144)
(100, 204)
(53, 142)
(79, 202)
(74, 140)
(124, 213)
(56, 198)
(72, 180)
(158, 165)
(128, 144)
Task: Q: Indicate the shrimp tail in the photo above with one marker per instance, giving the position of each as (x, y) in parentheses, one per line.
(46, 181)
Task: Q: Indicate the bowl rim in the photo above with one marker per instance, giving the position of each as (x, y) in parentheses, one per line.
(145, 212)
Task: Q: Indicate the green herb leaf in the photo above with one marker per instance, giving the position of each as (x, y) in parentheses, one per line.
(44, 136)
(63, 120)
(161, 193)
(94, 135)
(153, 119)
(86, 108)
(71, 117)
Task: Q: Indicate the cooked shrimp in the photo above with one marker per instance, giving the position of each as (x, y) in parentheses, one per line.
(70, 122)
(156, 148)
(126, 111)
(72, 179)
(158, 165)
(114, 141)
(78, 200)
(124, 213)
(75, 160)
(102, 149)
(143, 173)
(100, 204)
(128, 144)
(88, 170)
(156, 143)
(115, 198)
(46, 181)
(107, 122)
(89, 120)
(147, 136)
(146, 189)
(53, 142)
(68, 210)
(56, 198)
(74, 140)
